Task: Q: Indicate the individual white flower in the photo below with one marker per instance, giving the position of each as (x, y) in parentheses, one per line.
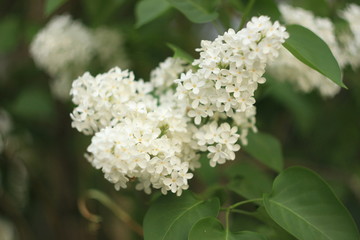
(288, 68)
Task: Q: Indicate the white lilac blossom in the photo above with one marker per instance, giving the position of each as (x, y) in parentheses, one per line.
(63, 48)
(219, 141)
(351, 40)
(229, 71)
(101, 100)
(135, 138)
(157, 141)
(63, 43)
(288, 68)
(144, 148)
(108, 45)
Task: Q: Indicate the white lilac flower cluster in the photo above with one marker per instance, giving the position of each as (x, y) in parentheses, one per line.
(135, 138)
(351, 40)
(229, 71)
(103, 100)
(288, 68)
(65, 47)
(157, 141)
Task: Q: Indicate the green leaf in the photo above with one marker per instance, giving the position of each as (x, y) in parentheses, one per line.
(248, 181)
(313, 51)
(148, 10)
(171, 217)
(266, 149)
(179, 53)
(52, 5)
(272, 230)
(211, 229)
(303, 204)
(197, 11)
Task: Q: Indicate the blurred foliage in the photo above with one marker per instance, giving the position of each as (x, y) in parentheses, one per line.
(43, 173)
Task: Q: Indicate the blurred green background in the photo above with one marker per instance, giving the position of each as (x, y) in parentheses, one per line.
(43, 173)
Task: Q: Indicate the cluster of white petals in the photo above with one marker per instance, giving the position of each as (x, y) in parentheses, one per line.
(230, 69)
(163, 76)
(289, 68)
(102, 100)
(351, 40)
(65, 47)
(143, 147)
(157, 141)
(62, 43)
(135, 138)
(219, 141)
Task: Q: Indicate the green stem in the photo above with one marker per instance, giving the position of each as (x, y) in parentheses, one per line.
(227, 225)
(243, 212)
(246, 13)
(245, 202)
(231, 209)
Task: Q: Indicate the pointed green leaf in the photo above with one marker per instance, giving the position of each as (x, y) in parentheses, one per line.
(179, 53)
(52, 5)
(211, 229)
(313, 51)
(197, 11)
(148, 10)
(266, 149)
(303, 204)
(171, 217)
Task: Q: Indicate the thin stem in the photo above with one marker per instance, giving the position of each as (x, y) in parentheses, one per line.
(242, 212)
(107, 202)
(227, 225)
(246, 13)
(245, 202)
